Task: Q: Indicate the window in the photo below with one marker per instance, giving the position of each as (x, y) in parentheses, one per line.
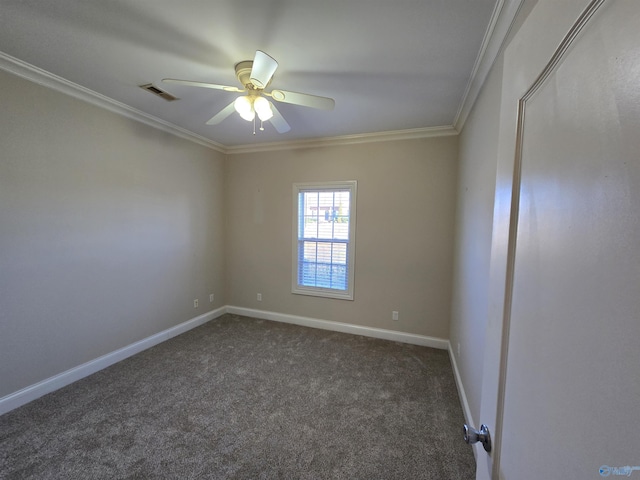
(324, 239)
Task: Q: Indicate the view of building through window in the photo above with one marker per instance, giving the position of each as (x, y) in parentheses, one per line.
(323, 238)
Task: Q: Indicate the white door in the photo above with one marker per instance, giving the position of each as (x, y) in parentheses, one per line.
(564, 340)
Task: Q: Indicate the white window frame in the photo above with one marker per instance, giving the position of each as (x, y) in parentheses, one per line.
(298, 188)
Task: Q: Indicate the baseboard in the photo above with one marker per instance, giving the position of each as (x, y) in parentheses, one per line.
(37, 390)
(466, 410)
(393, 335)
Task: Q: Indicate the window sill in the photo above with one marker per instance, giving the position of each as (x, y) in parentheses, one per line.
(323, 292)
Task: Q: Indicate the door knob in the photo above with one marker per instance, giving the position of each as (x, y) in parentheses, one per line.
(471, 436)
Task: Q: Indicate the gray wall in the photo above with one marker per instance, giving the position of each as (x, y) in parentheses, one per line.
(108, 231)
(476, 193)
(404, 231)
(474, 224)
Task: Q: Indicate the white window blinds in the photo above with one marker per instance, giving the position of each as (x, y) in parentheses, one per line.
(324, 239)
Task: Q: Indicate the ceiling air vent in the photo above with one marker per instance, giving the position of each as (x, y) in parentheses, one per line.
(150, 87)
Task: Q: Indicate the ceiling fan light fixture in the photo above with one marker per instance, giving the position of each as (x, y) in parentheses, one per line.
(262, 108)
(254, 76)
(244, 107)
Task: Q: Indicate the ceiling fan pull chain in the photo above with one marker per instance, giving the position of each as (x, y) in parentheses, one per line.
(261, 126)
(254, 125)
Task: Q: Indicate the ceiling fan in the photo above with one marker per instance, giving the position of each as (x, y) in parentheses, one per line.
(255, 76)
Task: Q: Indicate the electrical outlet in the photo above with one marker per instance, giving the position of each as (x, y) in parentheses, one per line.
(394, 315)
(259, 297)
(195, 303)
(210, 297)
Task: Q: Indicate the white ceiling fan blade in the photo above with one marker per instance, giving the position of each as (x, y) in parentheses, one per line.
(278, 121)
(202, 84)
(263, 69)
(222, 114)
(304, 99)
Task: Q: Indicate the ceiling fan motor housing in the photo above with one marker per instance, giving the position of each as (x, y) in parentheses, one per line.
(243, 74)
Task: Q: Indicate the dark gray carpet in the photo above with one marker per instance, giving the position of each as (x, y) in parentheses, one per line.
(249, 399)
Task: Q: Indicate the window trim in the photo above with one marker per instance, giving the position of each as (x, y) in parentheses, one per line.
(352, 186)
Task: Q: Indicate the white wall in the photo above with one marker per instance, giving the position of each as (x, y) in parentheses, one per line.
(108, 231)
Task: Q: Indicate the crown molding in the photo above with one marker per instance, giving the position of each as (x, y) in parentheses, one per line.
(395, 135)
(494, 41)
(47, 79)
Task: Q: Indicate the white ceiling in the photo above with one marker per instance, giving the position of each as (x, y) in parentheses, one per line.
(390, 65)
